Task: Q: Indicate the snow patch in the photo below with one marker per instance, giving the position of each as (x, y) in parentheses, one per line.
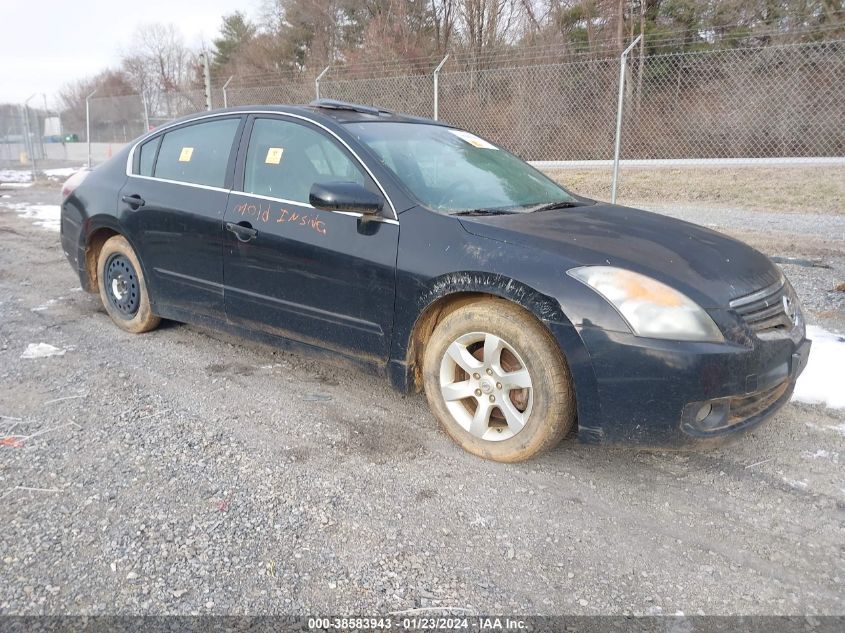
(42, 350)
(15, 185)
(821, 382)
(61, 172)
(47, 216)
(15, 175)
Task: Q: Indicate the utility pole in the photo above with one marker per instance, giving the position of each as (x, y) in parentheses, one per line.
(206, 70)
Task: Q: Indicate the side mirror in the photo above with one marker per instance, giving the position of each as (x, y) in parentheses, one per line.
(344, 196)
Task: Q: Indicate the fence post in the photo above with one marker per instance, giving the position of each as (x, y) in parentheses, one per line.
(24, 131)
(30, 142)
(146, 113)
(623, 59)
(317, 80)
(88, 124)
(225, 96)
(437, 87)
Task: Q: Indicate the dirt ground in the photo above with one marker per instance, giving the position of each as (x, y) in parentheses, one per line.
(181, 471)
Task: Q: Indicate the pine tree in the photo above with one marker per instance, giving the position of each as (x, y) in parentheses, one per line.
(235, 31)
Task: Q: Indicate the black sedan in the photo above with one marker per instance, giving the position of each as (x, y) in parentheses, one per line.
(430, 255)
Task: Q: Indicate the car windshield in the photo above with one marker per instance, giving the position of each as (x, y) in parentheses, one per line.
(453, 171)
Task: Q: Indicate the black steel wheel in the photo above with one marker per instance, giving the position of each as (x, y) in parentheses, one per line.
(123, 290)
(122, 286)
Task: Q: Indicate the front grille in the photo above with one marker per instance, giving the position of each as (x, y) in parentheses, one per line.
(765, 311)
(744, 407)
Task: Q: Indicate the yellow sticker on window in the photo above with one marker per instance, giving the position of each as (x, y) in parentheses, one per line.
(274, 155)
(185, 156)
(473, 140)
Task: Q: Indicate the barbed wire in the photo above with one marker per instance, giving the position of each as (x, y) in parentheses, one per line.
(667, 42)
(527, 55)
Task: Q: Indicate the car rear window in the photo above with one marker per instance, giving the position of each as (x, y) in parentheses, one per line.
(197, 153)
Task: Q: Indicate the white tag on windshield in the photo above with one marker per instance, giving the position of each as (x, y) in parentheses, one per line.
(473, 140)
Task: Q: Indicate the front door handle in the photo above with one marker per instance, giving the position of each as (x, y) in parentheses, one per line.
(242, 230)
(135, 201)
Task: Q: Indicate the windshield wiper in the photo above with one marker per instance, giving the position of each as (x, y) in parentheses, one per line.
(483, 212)
(550, 206)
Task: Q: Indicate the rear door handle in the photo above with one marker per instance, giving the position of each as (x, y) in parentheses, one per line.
(135, 201)
(243, 231)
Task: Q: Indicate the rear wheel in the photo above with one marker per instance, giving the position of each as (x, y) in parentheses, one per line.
(122, 288)
(497, 381)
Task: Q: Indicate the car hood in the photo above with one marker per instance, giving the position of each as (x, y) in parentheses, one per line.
(707, 266)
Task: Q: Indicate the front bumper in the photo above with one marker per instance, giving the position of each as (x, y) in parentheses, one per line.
(650, 392)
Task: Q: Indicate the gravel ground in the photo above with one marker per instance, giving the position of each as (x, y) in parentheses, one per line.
(183, 472)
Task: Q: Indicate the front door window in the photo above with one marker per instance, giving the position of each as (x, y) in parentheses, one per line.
(285, 159)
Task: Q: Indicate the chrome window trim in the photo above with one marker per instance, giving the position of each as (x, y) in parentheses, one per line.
(130, 159)
(180, 182)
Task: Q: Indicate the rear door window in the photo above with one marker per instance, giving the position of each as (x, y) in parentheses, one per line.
(198, 153)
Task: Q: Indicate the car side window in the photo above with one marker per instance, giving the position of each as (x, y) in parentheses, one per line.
(197, 153)
(148, 156)
(285, 159)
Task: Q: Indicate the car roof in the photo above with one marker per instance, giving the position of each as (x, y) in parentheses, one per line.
(337, 111)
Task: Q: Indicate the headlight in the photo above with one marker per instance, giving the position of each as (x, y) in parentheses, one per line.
(651, 308)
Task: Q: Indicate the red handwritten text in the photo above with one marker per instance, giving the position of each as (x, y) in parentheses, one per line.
(264, 212)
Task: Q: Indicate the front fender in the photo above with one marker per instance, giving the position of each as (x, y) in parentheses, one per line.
(439, 259)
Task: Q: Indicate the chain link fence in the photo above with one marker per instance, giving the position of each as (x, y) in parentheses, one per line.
(113, 119)
(22, 134)
(779, 101)
(413, 94)
(740, 103)
(553, 112)
(302, 92)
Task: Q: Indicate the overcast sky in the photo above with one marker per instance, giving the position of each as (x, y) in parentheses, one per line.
(46, 44)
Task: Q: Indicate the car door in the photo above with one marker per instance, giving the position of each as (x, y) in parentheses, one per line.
(172, 206)
(319, 277)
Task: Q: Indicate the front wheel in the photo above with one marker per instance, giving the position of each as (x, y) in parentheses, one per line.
(123, 290)
(497, 382)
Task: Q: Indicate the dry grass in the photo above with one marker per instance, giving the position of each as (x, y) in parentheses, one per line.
(806, 189)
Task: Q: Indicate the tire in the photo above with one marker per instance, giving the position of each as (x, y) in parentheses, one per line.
(123, 290)
(504, 414)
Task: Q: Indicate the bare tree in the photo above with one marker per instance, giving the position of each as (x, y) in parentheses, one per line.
(159, 63)
(443, 15)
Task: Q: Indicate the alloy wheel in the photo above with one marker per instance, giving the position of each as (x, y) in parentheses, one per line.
(486, 386)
